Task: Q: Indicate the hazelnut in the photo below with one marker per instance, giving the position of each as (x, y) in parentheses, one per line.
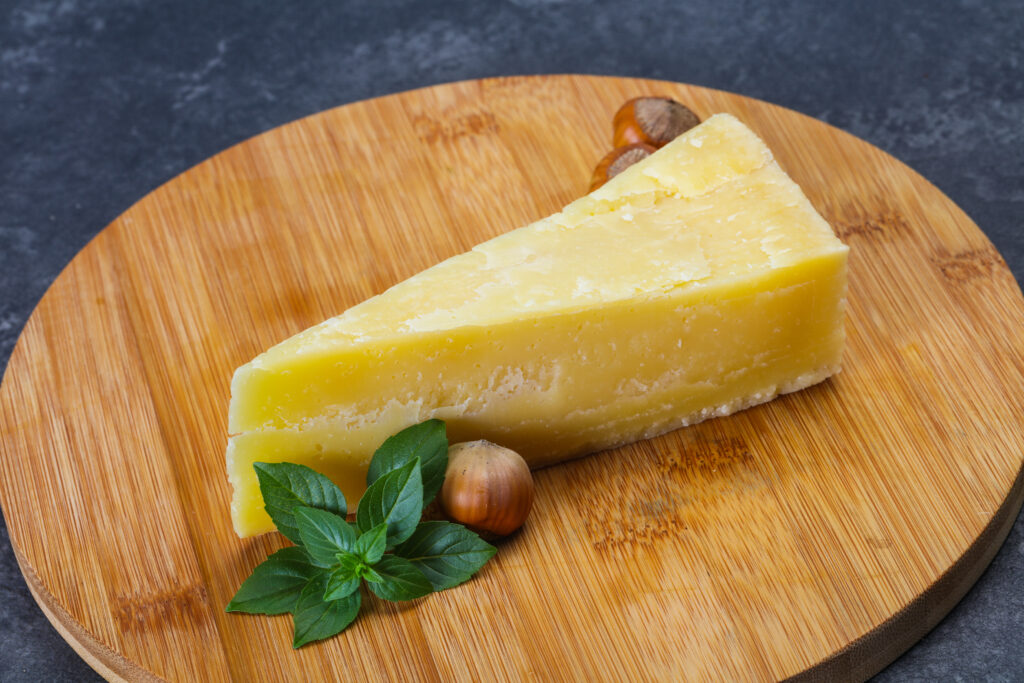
(654, 121)
(486, 487)
(617, 161)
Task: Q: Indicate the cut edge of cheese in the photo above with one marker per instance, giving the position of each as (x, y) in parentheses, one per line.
(704, 262)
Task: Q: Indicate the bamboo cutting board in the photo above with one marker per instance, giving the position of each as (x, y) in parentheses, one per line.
(822, 533)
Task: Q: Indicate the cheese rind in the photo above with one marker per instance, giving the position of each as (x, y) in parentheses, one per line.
(698, 282)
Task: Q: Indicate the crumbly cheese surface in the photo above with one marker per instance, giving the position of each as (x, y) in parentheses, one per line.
(697, 282)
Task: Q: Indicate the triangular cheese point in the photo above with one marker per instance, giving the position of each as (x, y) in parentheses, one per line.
(697, 283)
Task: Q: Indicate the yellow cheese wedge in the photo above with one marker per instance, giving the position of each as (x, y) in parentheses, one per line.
(697, 283)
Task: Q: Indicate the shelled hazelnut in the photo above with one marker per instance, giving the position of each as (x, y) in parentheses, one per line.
(487, 487)
(617, 161)
(654, 121)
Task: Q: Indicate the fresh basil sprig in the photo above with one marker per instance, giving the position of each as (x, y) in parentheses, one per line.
(318, 579)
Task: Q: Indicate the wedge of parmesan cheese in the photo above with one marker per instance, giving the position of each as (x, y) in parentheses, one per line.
(697, 283)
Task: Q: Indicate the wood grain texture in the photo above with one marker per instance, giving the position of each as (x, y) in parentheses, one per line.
(820, 534)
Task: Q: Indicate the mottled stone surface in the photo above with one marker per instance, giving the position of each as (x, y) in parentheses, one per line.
(100, 102)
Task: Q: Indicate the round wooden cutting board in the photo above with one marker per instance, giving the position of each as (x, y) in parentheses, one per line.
(820, 534)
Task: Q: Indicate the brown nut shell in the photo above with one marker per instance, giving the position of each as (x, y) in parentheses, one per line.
(487, 487)
(617, 161)
(654, 121)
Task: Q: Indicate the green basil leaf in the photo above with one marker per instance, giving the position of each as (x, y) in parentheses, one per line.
(426, 441)
(285, 486)
(341, 583)
(446, 553)
(275, 584)
(396, 499)
(353, 565)
(315, 618)
(349, 562)
(399, 580)
(324, 535)
(370, 546)
(369, 574)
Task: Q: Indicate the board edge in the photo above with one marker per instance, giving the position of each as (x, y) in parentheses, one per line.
(873, 651)
(108, 663)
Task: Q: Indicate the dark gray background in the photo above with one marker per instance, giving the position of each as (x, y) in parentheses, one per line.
(100, 102)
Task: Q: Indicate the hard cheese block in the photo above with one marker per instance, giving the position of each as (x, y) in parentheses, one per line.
(697, 283)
